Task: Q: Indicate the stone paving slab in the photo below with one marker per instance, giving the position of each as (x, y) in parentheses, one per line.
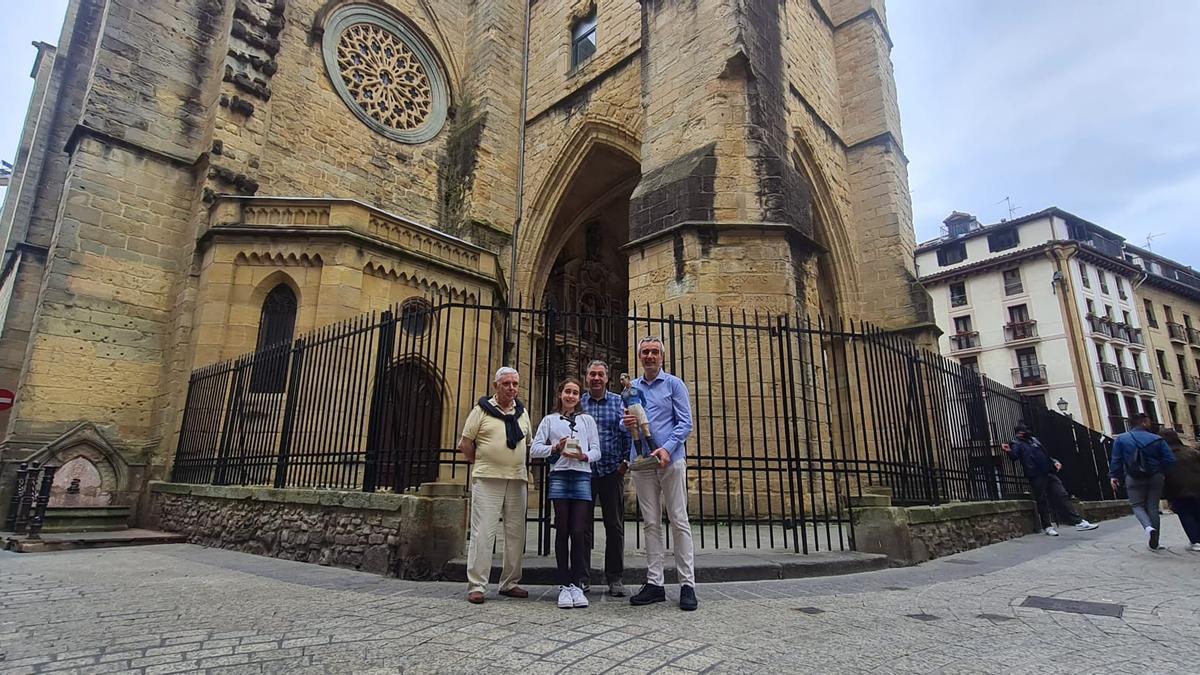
(183, 608)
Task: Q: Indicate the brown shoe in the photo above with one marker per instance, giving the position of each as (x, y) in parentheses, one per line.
(475, 597)
(515, 592)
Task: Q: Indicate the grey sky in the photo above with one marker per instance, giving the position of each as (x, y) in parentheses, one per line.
(1089, 105)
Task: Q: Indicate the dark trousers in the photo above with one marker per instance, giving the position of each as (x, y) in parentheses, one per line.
(573, 521)
(610, 492)
(1053, 501)
(1188, 510)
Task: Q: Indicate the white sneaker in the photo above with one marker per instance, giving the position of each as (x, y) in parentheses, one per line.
(578, 599)
(1051, 531)
(1085, 525)
(1194, 547)
(566, 599)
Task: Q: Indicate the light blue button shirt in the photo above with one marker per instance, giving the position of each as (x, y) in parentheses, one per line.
(669, 411)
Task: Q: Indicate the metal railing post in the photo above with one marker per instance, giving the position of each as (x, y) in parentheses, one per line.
(38, 517)
(289, 413)
(378, 414)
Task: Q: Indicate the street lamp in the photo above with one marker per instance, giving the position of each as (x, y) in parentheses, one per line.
(1062, 406)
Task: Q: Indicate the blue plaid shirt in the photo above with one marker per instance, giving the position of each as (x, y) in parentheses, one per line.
(614, 437)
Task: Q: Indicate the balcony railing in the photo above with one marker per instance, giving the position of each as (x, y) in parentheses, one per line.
(963, 341)
(1194, 337)
(1147, 381)
(1129, 378)
(1020, 330)
(1177, 332)
(1100, 325)
(1110, 373)
(1164, 374)
(1119, 331)
(1135, 336)
(1191, 384)
(1033, 375)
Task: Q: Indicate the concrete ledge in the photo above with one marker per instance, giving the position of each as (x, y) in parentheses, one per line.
(710, 567)
(1109, 509)
(67, 541)
(376, 501)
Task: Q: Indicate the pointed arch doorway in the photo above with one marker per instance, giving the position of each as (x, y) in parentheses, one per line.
(405, 440)
(582, 269)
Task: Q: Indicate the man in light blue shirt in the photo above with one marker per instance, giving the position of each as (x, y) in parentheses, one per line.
(669, 411)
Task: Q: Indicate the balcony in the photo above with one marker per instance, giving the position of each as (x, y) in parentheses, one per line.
(1032, 375)
(1129, 378)
(1135, 336)
(961, 342)
(1191, 384)
(1109, 373)
(1147, 381)
(1100, 325)
(1020, 330)
(1194, 337)
(1177, 332)
(1119, 331)
(1164, 374)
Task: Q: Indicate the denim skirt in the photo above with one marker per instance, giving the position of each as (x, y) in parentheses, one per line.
(571, 484)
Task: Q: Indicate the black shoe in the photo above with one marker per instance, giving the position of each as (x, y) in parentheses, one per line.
(585, 587)
(687, 598)
(649, 595)
(1153, 540)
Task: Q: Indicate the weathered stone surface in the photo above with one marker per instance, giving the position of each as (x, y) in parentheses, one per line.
(345, 529)
(915, 534)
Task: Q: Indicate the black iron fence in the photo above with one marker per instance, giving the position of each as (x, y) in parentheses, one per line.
(793, 418)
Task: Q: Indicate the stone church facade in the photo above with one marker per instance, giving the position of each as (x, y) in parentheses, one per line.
(190, 169)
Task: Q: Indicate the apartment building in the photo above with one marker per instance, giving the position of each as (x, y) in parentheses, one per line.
(1169, 298)
(1046, 303)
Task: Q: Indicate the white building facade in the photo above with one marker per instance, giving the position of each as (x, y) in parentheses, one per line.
(1043, 303)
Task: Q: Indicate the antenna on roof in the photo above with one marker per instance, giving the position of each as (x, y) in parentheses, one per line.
(1011, 209)
(1150, 238)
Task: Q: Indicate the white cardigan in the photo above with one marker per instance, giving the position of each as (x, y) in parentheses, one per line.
(554, 427)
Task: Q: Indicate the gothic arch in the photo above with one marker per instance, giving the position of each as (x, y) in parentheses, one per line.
(593, 134)
(831, 232)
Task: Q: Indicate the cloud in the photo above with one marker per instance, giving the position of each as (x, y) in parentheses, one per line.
(1079, 104)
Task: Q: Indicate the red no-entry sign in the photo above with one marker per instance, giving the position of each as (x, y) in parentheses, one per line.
(6, 399)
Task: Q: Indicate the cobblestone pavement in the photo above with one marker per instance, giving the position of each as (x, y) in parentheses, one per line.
(180, 608)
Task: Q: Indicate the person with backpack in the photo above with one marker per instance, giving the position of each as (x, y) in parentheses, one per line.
(1140, 459)
(1041, 470)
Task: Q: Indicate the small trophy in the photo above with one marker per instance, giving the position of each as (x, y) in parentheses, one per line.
(643, 442)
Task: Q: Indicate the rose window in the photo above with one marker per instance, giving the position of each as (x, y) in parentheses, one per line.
(385, 73)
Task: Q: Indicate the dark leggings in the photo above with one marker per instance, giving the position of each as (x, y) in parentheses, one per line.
(572, 517)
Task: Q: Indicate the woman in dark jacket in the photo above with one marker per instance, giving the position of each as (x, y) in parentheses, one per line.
(1182, 487)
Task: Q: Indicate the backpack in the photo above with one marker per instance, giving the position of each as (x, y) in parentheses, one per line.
(1137, 466)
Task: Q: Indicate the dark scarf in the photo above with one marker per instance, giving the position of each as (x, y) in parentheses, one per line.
(512, 426)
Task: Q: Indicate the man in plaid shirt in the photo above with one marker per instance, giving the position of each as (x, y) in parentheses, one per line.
(608, 474)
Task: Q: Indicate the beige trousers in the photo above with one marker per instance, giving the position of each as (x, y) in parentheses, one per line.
(656, 490)
(492, 498)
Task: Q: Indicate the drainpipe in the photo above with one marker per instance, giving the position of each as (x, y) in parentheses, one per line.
(513, 284)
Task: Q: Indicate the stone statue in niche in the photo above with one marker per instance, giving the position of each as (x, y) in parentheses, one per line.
(78, 483)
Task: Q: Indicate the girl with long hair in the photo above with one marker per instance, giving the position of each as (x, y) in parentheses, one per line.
(570, 440)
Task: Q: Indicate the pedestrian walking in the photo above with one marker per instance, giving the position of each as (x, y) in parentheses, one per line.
(608, 474)
(1182, 486)
(669, 411)
(1041, 470)
(1140, 458)
(568, 439)
(494, 439)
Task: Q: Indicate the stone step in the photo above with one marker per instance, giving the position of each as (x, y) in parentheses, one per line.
(87, 518)
(65, 541)
(746, 565)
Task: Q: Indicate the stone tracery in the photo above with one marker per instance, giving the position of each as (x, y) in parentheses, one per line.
(384, 77)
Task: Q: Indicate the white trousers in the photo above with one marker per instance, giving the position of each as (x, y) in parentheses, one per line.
(490, 499)
(656, 490)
